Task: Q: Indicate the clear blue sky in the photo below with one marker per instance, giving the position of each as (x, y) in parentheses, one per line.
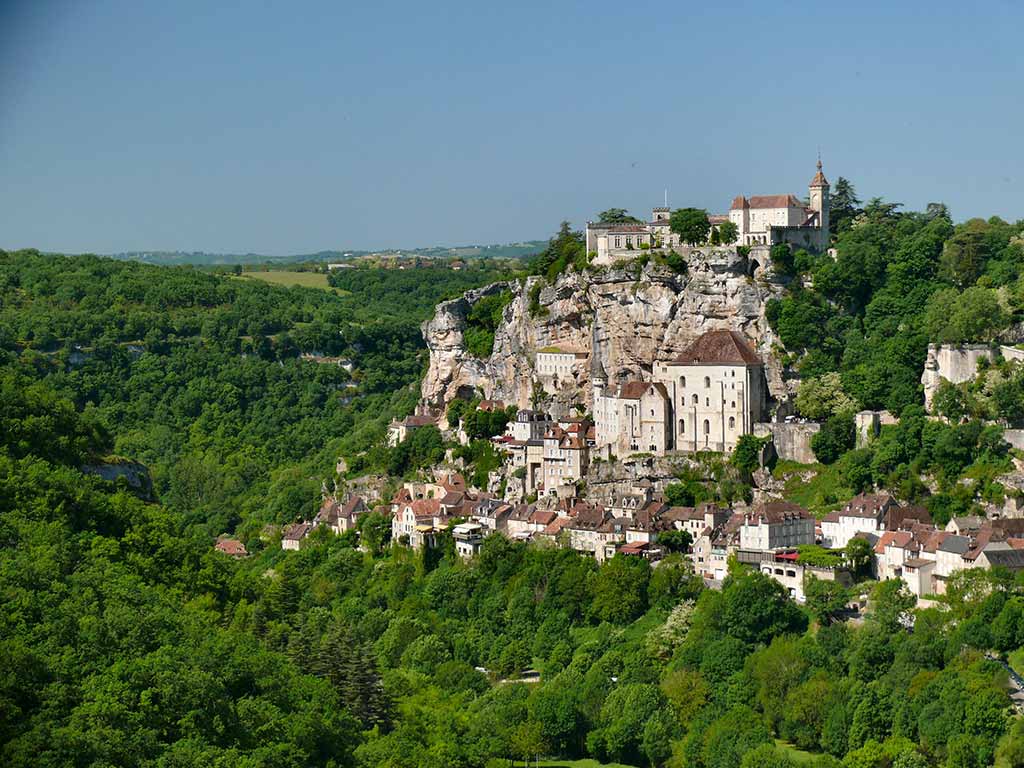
(286, 127)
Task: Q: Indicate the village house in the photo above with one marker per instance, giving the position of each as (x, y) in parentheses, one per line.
(338, 516)
(418, 523)
(785, 568)
(398, 431)
(292, 536)
(231, 547)
(468, 538)
(776, 524)
(565, 459)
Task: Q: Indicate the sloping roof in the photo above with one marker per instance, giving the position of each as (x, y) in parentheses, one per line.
(232, 547)
(353, 506)
(426, 507)
(917, 562)
(297, 531)
(634, 390)
(720, 347)
(777, 512)
(868, 505)
(958, 545)
(738, 203)
(905, 517)
(819, 179)
(1005, 558)
(775, 201)
(419, 421)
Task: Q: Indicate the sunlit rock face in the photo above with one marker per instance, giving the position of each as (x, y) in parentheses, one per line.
(634, 315)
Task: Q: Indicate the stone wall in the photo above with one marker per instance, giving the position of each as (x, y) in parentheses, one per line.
(955, 363)
(1014, 437)
(792, 441)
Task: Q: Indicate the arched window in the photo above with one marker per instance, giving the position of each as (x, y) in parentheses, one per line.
(682, 382)
(732, 373)
(695, 400)
(707, 427)
(732, 422)
(682, 426)
(707, 382)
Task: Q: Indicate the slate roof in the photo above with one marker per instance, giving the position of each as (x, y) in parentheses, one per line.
(720, 348)
(1005, 558)
(958, 545)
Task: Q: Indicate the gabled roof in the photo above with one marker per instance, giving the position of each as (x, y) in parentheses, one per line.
(720, 347)
(297, 531)
(634, 390)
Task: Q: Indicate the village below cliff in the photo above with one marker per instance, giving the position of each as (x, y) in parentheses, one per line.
(640, 397)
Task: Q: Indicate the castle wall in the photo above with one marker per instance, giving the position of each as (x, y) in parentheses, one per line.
(792, 441)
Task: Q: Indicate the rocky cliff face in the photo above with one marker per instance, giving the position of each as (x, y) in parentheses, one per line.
(634, 315)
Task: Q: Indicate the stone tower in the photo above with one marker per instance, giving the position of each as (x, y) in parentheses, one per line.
(820, 203)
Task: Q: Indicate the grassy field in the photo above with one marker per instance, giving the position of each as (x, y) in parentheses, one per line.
(799, 756)
(286, 278)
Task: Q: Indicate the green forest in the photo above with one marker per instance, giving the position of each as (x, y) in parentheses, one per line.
(128, 640)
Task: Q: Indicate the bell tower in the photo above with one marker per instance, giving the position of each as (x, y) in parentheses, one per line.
(820, 202)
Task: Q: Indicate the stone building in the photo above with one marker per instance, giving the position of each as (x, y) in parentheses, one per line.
(773, 219)
(776, 524)
(631, 418)
(760, 220)
(565, 459)
(716, 392)
(556, 364)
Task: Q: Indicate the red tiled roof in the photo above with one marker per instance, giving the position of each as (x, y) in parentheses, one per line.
(720, 347)
(426, 507)
(232, 547)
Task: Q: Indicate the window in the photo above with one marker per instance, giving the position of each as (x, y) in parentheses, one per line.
(652, 411)
(707, 402)
(733, 404)
(695, 400)
(707, 427)
(682, 382)
(732, 422)
(682, 426)
(732, 373)
(618, 242)
(707, 382)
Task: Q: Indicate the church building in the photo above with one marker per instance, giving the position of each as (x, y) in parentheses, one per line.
(717, 392)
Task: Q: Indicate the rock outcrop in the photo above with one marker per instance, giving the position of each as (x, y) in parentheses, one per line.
(635, 314)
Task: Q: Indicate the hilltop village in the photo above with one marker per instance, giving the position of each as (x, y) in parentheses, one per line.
(625, 416)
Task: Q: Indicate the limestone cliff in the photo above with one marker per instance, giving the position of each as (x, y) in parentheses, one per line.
(635, 314)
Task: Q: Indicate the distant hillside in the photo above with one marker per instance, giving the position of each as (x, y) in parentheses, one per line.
(505, 251)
